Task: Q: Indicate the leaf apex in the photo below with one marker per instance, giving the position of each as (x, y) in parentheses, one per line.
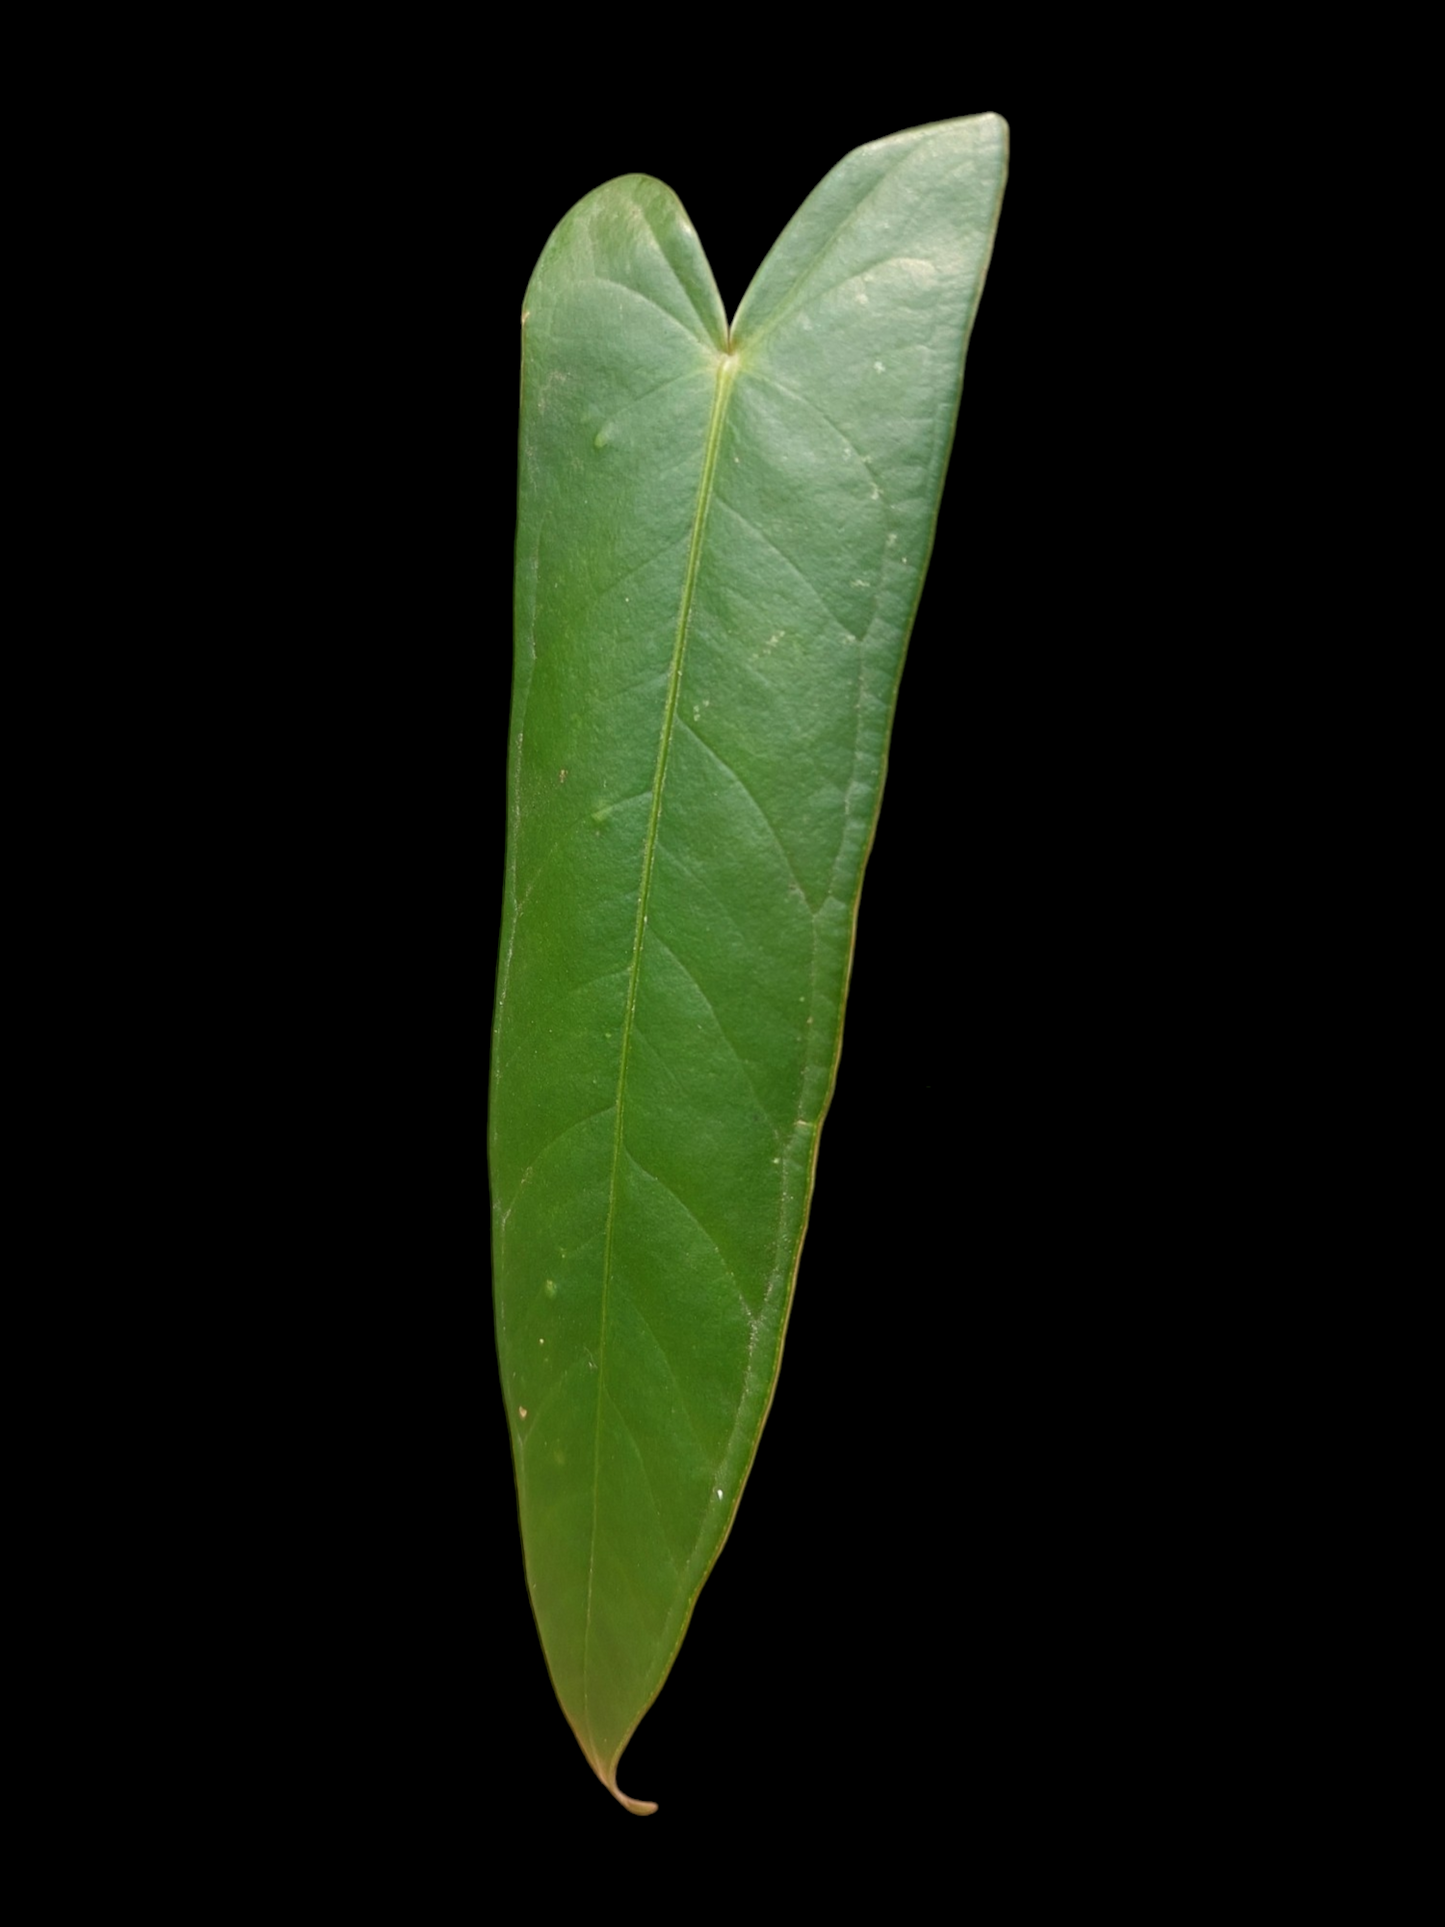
(608, 1777)
(606, 1772)
(643, 1807)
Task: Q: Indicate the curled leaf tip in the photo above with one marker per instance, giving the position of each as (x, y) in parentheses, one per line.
(633, 1806)
(608, 1777)
(606, 1771)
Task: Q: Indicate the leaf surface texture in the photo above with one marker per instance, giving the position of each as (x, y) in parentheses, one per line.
(721, 541)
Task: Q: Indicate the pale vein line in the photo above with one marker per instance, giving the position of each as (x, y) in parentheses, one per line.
(642, 1318)
(727, 767)
(829, 243)
(703, 887)
(540, 1405)
(785, 558)
(536, 1157)
(740, 1060)
(683, 1205)
(715, 324)
(577, 825)
(637, 294)
(609, 588)
(802, 400)
(646, 1480)
(520, 1050)
(688, 374)
(727, 366)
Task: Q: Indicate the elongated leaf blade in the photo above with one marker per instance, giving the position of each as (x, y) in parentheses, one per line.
(721, 543)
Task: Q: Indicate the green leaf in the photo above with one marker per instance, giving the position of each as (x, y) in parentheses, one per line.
(721, 541)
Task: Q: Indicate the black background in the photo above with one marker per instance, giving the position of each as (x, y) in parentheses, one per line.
(840, 1650)
(880, 1638)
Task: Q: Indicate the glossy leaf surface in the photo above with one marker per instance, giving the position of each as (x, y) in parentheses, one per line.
(721, 543)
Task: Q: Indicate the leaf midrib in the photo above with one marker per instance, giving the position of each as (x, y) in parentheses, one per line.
(727, 369)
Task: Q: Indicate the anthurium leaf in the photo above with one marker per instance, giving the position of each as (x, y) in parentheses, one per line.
(721, 541)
